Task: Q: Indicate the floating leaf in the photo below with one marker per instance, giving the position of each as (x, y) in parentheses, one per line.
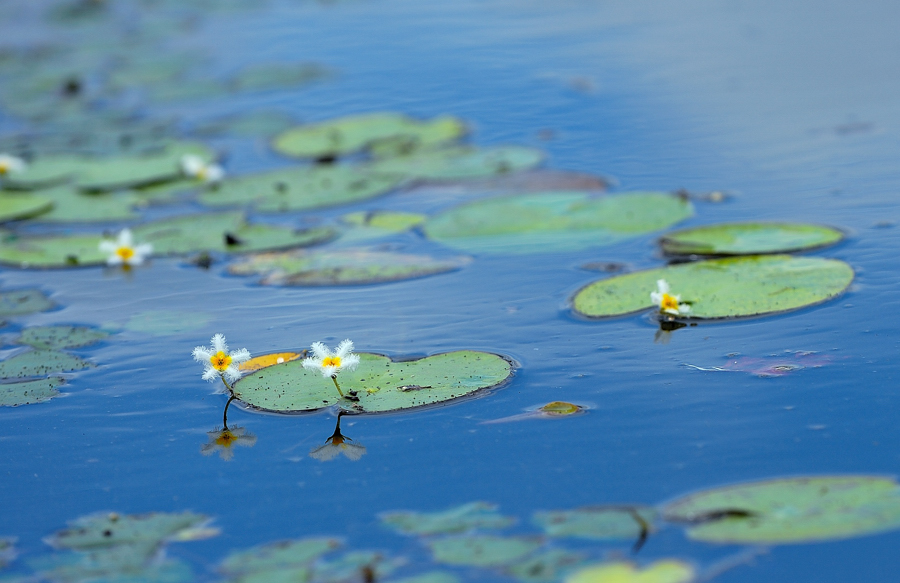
(123, 563)
(389, 221)
(460, 162)
(351, 134)
(14, 206)
(790, 510)
(560, 409)
(71, 205)
(546, 566)
(299, 188)
(749, 239)
(26, 301)
(206, 232)
(474, 515)
(598, 523)
(379, 383)
(27, 393)
(482, 550)
(341, 267)
(258, 362)
(167, 322)
(36, 363)
(277, 556)
(555, 221)
(349, 567)
(665, 571)
(722, 288)
(58, 337)
(111, 528)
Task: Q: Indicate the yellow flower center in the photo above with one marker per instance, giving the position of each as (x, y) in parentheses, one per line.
(125, 253)
(331, 361)
(220, 361)
(226, 438)
(4, 168)
(668, 303)
(202, 173)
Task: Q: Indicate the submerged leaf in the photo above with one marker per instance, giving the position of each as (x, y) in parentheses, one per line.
(482, 550)
(460, 162)
(379, 384)
(26, 301)
(58, 337)
(790, 510)
(474, 515)
(749, 239)
(664, 571)
(29, 392)
(722, 288)
(36, 363)
(554, 221)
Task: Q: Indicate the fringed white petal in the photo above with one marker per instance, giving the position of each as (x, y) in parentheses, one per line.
(218, 344)
(350, 362)
(239, 356)
(319, 350)
(210, 374)
(202, 354)
(344, 348)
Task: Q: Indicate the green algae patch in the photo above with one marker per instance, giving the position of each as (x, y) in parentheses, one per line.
(555, 221)
(471, 516)
(722, 288)
(459, 162)
(790, 510)
(377, 385)
(749, 239)
(598, 523)
(29, 392)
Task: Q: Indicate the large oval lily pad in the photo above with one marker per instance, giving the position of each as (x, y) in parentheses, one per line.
(555, 221)
(790, 510)
(598, 523)
(482, 550)
(722, 288)
(300, 188)
(380, 384)
(36, 363)
(471, 516)
(15, 206)
(225, 232)
(29, 392)
(58, 337)
(664, 571)
(351, 134)
(749, 239)
(341, 267)
(460, 162)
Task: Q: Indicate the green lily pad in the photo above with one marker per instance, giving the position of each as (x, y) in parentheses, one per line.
(70, 205)
(36, 363)
(278, 75)
(167, 192)
(546, 566)
(790, 510)
(14, 206)
(471, 516)
(341, 267)
(351, 134)
(749, 239)
(124, 563)
(482, 550)
(278, 556)
(110, 529)
(179, 235)
(29, 392)
(58, 337)
(390, 221)
(722, 288)
(349, 567)
(299, 188)
(380, 383)
(555, 221)
(664, 571)
(460, 162)
(598, 523)
(25, 301)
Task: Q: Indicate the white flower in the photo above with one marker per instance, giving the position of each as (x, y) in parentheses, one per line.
(10, 164)
(124, 251)
(194, 167)
(218, 361)
(666, 302)
(330, 363)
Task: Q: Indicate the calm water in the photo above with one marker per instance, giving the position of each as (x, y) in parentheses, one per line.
(790, 107)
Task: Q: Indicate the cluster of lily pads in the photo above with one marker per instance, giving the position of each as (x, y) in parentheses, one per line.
(120, 547)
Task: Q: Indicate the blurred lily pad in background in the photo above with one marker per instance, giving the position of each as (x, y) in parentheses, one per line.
(598, 523)
(459, 162)
(479, 550)
(749, 239)
(471, 516)
(663, 571)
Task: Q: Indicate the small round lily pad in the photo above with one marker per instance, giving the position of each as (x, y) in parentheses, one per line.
(749, 239)
(790, 510)
(460, 162)
(29, 392)
(722, 288)
(664, 571)
(555, 221)
(379, 383)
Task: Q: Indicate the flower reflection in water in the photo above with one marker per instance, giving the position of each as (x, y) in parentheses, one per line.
(224, 440)
(338, 444)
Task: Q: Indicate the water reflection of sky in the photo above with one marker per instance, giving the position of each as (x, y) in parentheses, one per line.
(791, 106)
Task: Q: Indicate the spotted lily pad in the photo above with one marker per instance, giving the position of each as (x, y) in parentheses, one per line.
(722, 288)
(341, 267)
(277, 556)
(110, 529)
(598, 523)
(555, 221)
(300, 188)
(474, 515)
(36, 363)
(664, 571)
(29, 392)
(351, 134)
(14, 206)
(460, 162)
(380, 384)
(26, 301)
(790, 510)
(749, 239)
(58, 337)
(226, 232)
(482, 550)
(543, 567)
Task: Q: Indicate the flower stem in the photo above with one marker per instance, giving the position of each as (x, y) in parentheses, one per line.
(337, 386)
(227, 386)
(225, 414)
